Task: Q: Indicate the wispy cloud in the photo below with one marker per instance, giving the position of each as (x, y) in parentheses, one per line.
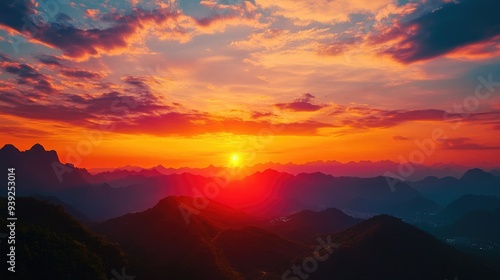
(464, 143)
(302, 104)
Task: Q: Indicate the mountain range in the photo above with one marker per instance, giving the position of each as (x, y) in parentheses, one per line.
(265, 225)
(267, 193)
(158, 244)
(444, 190)
(363, 169)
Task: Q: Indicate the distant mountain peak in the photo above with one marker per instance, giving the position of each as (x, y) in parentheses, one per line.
(170, 202)
(37, 148)
(476, 173)
(43, 169)
(268, 171)
(384, 223)
(9, 148)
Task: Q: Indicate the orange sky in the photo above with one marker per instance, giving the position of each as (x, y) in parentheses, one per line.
(190, 83)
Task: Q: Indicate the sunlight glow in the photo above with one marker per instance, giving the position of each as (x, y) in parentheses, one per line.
(235, 160)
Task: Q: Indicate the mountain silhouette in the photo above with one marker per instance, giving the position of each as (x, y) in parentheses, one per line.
(37, 170)
(274, 193)
(123, 178)
(269, 193)
(164, 245)
(51, 244)
(141, 194)
(304, 226)
(479, 224)
(469, 203)
(256, 253)
(495, 173)
(75, 213)
(364, 169)
(414, 208)
(384, 247)
(445, 190)
(476, 175)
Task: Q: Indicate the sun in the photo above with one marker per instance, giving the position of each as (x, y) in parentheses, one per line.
(235, 160)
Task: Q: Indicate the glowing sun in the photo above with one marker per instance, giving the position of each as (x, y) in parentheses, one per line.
(235, 160)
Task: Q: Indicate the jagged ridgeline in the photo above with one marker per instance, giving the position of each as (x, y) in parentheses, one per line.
(264, 226)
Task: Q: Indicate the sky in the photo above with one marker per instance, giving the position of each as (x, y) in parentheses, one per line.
(193, 83)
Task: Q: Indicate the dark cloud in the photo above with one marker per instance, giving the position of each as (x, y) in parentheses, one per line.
(140, 87)
(378, 118)
(366, 117)
(21, 106)
(135, 112)
(22, 70)
(29, 76)
(115, 103)
(258, 115)
(454, 25)
(84, 111)
(15, 13)
(138, 82)
(63, 18)
(43, 85)
(4, 57)
(222, 12)
(302, 104)
(49, 60)
(486, 117)
(463, 143)
(73, 41)
(81, 74)
(134, 115)
(25, 132)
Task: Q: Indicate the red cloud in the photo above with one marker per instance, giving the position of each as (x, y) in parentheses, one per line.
(191, 124)
(302, 104)
(463, 143)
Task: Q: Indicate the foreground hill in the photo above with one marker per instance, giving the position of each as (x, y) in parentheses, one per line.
(256, 253)
(213, 245)
(477, 233)
(384, 247)
(306, 225)
(51, 244)
(477, 225)
(163, 246)
(75, 213)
